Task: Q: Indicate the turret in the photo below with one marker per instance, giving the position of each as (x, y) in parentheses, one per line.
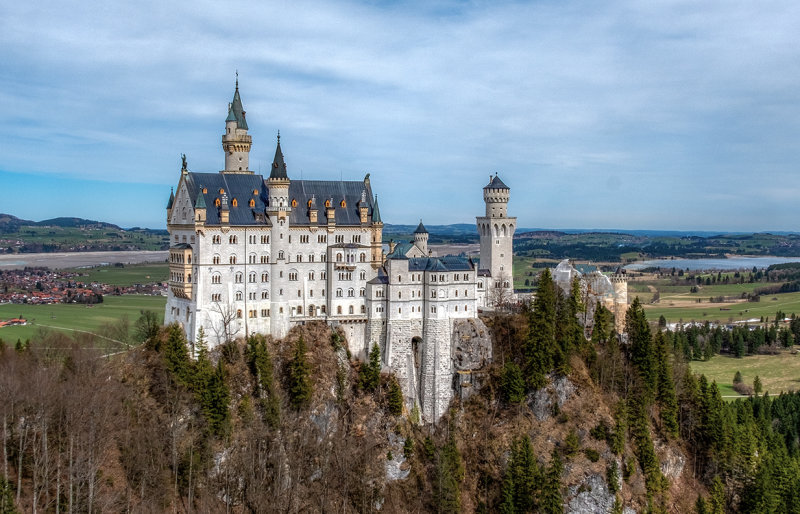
(496, 231)
(200, 209)
(421, 237)
(496, 195)
(278, 183)
(169, 204)
(235, 141)
(620, 282)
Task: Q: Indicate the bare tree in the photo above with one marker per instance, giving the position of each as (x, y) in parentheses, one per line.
(501, 292)
(227, 326)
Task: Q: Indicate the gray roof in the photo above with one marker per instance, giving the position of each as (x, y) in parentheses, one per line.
(400, 250)
(278, 164)
(334, 190)
(171, 199)
(237, 110)
(496, 183)
(200, 203)
(421, 228)
(382, 277)
(244, 187)
(446, 263)
(376, 212)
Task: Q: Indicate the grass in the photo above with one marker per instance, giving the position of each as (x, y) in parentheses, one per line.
(778, 373)
(787, 302)
(129, 275)
(71, 317)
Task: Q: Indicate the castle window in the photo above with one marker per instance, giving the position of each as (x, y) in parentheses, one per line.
(363, 257)
(205, 190)
(280, 255)
(300, 310)
(350, 309)
(351, 292)
(322, 309)
(216, 278)
(221, 191)
(232, 259)
(363, 309)
(264, 240)
(238, 313)
(217, 203)
(299, 257)
(344, 204)
(362, 292)
(338, 257)
(252, 203)
(293, 276)
(309, 204)
(239, 296)
(311, 257)
(328, 206)
(310, 275)
(215, 240)
(264, 259)
(232, 240)
(252, 277)
(265, 277)
(252, 258)
(338, 293)
(294, 203)
(216, 297)
(255, 192)
(265, 295)
(238, 278)
(264, 313)
(339, 309)
(216, 259)
(362, 275)
(234, 203)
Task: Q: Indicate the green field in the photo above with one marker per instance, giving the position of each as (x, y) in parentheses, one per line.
(70, 317)
(129, 275)
(787, 302)
(778, 373)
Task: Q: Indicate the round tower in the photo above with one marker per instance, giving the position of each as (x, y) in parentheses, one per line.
(496, 231)
(620, 282)
(235, 141)
(421, 238)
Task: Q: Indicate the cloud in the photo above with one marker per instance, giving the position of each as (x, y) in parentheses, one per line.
(428, 97)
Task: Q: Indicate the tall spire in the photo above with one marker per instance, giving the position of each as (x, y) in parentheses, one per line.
(376, 212)
(278, 164)
(236, 107)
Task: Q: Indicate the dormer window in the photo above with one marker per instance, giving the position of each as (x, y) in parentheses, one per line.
(221, 191)
(217, 202)
(294, 203)
(234, 203)
(255, 192)
(327, 204)
(205, 190)
(252, 203)
(344, 204)
(309, 204)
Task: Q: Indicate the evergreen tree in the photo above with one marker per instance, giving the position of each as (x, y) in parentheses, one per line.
(176, 355)
(6, 498)
(640, 344)
(603, 328)
(370, 373)
(666, 388)
(395, 397)
(512, 384)
(298, 377)
(449, 475)
(216, 402)
(717, 499)
(540, 345)
(737, 378)
(524, 474)
(757, 387)
(260, 364)
(550, 500)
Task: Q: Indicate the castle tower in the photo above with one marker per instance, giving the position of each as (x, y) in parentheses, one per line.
(496, 232)
(278, 209)
(235, 141)
(620, 282)
(421, 238)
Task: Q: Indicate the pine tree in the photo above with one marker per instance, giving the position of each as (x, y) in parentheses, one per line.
(395, 397)
(640, 344)
(512, 384)
(540, 345)
(6, 498)
(370, 373)
(717, 499)
(176, 355)
(524, 472)
(666, 388)
(550, 501)
(450, 474)
(603, 327)
(757, 387)
(216, 402)
(298, 376)
(260, 363)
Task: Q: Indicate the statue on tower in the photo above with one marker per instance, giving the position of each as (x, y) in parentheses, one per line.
(183, 162)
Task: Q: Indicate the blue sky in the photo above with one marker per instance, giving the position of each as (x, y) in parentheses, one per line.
(640, 115)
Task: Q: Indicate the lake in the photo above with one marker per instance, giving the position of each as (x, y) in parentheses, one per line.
(733, 263)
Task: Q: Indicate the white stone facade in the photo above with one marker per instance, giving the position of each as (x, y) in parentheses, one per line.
(252, 254)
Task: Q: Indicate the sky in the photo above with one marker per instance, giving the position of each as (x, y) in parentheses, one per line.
(679, 115)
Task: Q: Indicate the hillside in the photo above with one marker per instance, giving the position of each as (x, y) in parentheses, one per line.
(74, 235)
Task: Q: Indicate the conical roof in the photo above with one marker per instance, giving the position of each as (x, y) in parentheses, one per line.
(278, 164)
(237, 110)
(200, 203)
(496, 183)
(376, 212)
(171, 199)
(421, 228)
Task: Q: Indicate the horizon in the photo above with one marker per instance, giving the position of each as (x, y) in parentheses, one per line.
(617, 114)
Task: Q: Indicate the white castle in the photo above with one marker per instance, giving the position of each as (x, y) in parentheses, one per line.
(250, 254)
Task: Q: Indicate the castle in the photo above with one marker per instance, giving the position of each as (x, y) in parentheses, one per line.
(250, 254)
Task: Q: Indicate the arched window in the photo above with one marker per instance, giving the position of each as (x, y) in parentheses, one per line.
(232, 259)
(252, 203)
(252, 277)
(238, 296)
(363, 292)
(234, 203)
(338, 257)
(294, 204)
(217, 203)
(350, 309)
(339, 309)
(363, 257)
(344, 204)
(339, 293)
(363, 309)
(238, 313)
(328, 206)
(216, 259)
(280, 254)
(299, 308)
(238, 278)
(265, 277)
(351, 292)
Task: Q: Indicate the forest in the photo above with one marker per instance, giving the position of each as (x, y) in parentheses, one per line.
(297, 425)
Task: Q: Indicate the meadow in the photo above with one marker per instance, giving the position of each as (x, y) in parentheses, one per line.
(778, 373)
(76, 317)
(128, 275)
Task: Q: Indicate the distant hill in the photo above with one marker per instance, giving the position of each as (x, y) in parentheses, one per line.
(67, 234)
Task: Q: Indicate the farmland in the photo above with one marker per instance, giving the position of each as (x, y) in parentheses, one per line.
(778, 373)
